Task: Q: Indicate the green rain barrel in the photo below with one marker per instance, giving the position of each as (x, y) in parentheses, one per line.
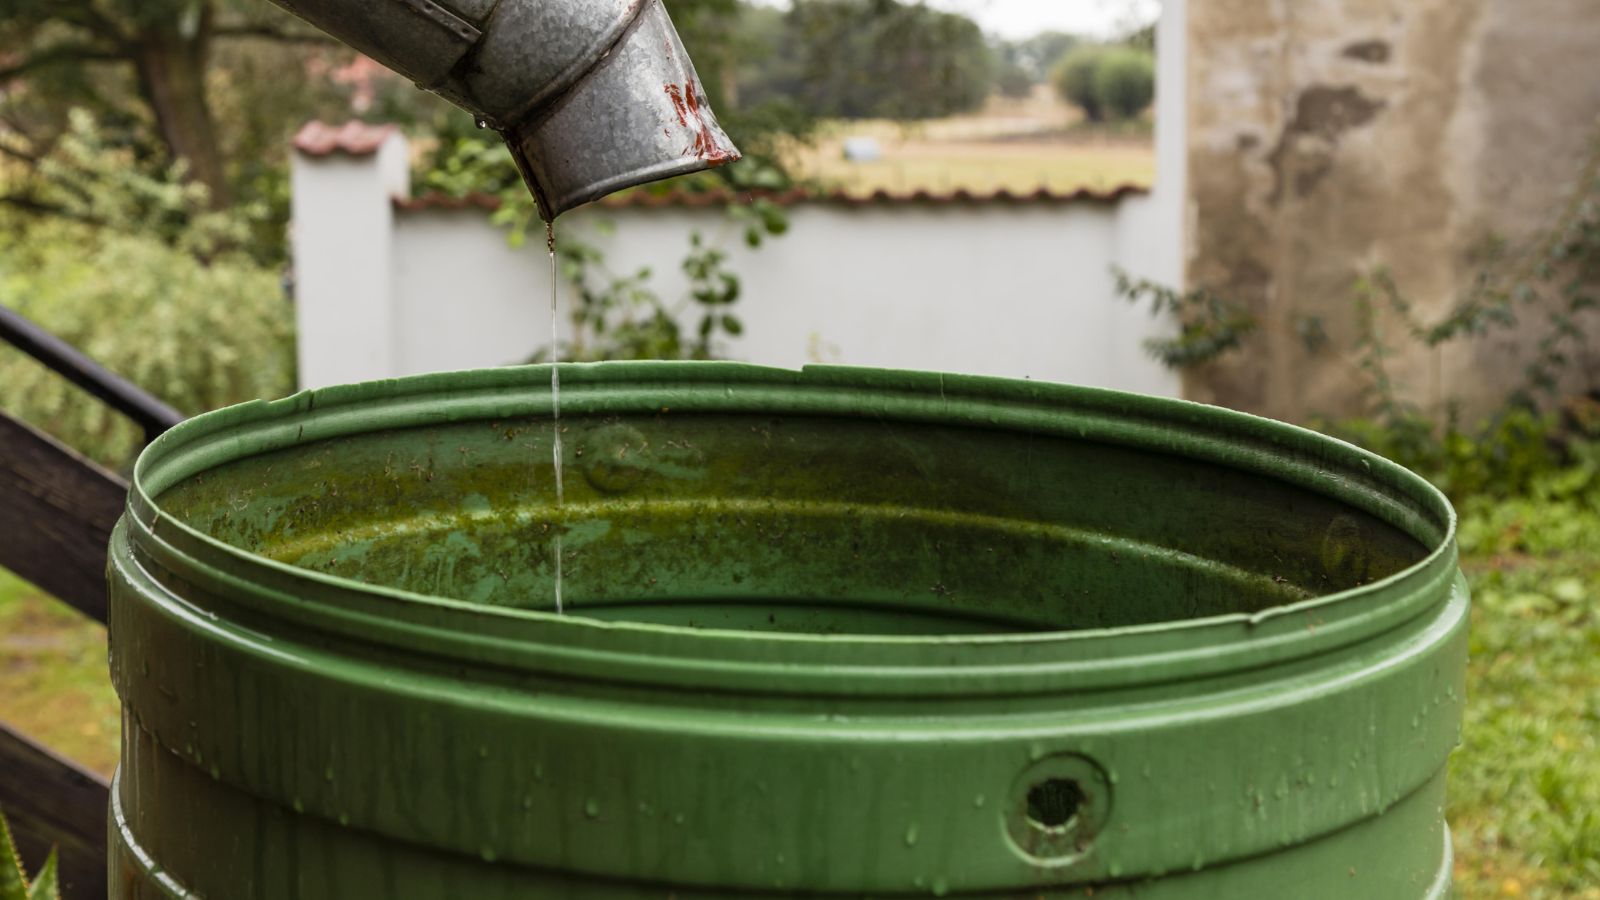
(837, 632)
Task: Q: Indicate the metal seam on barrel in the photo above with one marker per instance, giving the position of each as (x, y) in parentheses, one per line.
(364, 626)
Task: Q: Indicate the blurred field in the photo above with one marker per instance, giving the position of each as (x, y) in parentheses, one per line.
(1018, 145)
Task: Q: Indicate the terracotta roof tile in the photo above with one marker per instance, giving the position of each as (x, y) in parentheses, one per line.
(644, 199)
(438, 200)
(352, 138)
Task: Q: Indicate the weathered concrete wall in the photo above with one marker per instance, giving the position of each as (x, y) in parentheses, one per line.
(1330, 137)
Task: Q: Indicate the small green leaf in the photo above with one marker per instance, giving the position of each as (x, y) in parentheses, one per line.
(13, 885)
(774, 218)
(768, 178)
(1569, 590)
(46, 886)
(732, 325)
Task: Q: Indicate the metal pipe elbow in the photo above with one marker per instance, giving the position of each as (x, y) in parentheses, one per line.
(591, 96)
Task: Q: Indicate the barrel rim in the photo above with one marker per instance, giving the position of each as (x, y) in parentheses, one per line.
(574, 644)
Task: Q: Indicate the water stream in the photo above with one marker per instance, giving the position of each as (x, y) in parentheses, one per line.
(555, 405)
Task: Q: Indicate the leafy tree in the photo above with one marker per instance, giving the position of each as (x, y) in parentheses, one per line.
(1125, 82)
(1012, 76)
(1019, 65)
(1143, 38)
(1039, 54)
(1013, 81)
(861, 59)
(1106, 81)
(1075, 79)
(135, 61)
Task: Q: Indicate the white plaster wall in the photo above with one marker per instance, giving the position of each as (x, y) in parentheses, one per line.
(343, 242)
(464, 298)
(1024, 292)
(1151, 230)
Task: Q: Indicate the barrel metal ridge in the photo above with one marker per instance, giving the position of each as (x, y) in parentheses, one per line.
(1140, 654)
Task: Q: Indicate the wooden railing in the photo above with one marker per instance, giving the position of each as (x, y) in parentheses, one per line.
(67, 361)
(56, 513)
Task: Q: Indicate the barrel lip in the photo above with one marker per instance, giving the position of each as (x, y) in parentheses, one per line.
(1163, 650)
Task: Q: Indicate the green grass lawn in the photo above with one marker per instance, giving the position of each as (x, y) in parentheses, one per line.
(54, 684)
(1524, 786)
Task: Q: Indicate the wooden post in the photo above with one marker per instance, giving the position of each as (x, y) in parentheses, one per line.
(56, 512)
(53, 802)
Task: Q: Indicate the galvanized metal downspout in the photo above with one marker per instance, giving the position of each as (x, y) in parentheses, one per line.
(591, 96)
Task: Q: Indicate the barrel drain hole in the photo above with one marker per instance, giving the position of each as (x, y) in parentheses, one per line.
(1054, 802)
(1059, 808)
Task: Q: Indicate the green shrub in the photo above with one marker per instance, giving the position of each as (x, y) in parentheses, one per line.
(142, 277)
(1208, 324)
(1505, 456)
(197, 336)
(1125, 82)
(1075, 79)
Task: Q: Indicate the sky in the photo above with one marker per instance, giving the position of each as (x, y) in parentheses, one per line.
(1023, 18)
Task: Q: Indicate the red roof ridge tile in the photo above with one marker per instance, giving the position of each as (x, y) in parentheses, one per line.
(353, 138)
(441, 200)
(646, 199)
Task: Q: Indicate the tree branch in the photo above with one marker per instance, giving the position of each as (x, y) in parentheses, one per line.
(273, 33)
(60, 53)
(14, 125)
(17, 154)
(86, 16)
(40, 208)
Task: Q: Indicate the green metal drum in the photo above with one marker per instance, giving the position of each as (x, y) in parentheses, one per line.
(836, 632)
